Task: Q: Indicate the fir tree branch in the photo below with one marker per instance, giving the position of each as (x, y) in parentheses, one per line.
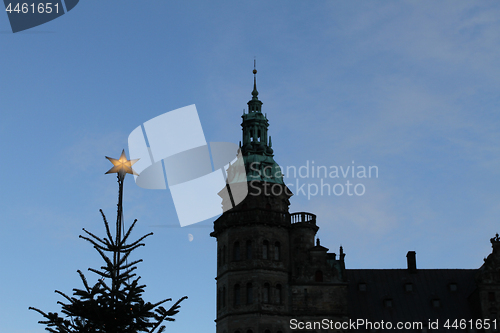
(84, 280)
(135, 247)
(131, 264)
(137, 241)
(128, 232)
(109, 248)
(105, 275)
(94, 236)
(104, 256)
(106, 224)
(165, 314)
(64, 295)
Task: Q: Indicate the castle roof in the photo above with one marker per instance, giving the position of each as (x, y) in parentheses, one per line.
(397, 295)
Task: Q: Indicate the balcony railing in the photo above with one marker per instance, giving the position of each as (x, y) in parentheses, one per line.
(303, 217)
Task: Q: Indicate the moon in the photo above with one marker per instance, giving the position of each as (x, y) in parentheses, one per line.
(190, 237)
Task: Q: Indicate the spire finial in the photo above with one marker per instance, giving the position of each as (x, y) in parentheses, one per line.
(254, 92)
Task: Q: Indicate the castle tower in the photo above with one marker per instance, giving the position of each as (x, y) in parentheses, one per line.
(266, 257)
(487, 294)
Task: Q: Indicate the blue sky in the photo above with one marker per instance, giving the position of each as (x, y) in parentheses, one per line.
(410, 87)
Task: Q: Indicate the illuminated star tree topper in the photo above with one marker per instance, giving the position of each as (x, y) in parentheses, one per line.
(122, 166)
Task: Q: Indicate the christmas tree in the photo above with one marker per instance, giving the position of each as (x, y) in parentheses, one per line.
(113, 304)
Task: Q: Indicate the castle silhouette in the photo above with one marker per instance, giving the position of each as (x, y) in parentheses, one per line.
(274, 276)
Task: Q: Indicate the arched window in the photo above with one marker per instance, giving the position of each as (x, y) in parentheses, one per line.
(237, 294)
(249, 249)
(224, 255)
(318, 277)
(249, 293)
(236, 253)
(265, 294)
(278, 294)
(224, 297)
(265, 250)
(277, 249)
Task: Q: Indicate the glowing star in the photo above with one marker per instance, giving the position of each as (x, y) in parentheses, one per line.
(122, 166)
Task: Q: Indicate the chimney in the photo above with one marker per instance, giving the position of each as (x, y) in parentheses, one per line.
(412, 261)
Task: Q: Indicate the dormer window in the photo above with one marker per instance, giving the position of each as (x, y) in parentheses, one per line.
(493, 312)
(318, 277)
(388, 303)
(267, 170)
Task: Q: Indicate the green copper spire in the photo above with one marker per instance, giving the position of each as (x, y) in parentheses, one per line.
(255, 93)
(254, 105)
(256, 151)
